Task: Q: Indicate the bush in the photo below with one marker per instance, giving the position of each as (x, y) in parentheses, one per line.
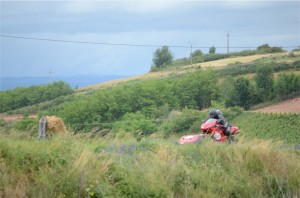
(25, 96)
(212, 57)
(178, 122)
(27, 124)
(3, 123)
(136, 123)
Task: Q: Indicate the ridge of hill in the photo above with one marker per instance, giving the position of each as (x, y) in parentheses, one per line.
(230, 66)
(217, 64)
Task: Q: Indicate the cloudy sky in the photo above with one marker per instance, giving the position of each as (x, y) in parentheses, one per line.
(120, 37)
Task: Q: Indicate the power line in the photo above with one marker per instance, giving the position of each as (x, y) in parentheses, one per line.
(126, 44)
(87, 42)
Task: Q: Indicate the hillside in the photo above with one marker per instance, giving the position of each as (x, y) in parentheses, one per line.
(121, 139)
(194, 67)
(287, 106)
(235, 66)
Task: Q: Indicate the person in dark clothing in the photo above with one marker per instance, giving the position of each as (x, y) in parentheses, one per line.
(217, 114)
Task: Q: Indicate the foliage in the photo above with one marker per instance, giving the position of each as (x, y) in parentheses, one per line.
(248, 68)
(286, 84)
(284, 127)
(247, 93)
(242, 92)
(27, 124)
(162, 57)
(194, 90)
(71, 167)
(177, 63)
(212, 50)
(178, 122)
(197, 53)
(265, 48)
(296, 50)
(265, 82)
(22, 96)
(135, 123)
(199, 57)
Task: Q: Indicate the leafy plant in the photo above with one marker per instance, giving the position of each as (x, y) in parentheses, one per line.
(135, 123)
(162, 56)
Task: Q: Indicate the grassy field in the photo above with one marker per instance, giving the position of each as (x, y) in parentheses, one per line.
(77, 166)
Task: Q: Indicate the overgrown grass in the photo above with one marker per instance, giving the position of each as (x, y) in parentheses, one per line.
(77, 166)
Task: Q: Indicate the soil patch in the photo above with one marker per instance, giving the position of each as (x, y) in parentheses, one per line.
(287, 106)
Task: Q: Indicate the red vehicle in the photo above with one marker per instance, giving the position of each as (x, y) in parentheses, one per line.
(211, 128)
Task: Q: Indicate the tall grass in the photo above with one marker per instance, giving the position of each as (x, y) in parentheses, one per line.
(76, 166)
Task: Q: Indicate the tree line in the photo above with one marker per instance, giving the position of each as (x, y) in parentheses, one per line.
(149, 97)
(163, 57)
(247, 92)
(25, 96)
(150, 100)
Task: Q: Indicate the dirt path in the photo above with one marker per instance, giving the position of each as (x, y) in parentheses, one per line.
(288, 106)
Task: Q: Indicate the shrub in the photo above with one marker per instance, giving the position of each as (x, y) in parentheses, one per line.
(180, 121)
(27, 124)
(135, 123)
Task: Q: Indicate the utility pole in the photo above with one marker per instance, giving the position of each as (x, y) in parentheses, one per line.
(228, 43)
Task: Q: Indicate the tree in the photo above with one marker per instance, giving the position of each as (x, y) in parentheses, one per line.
(265, 48)
(286, 84)
(197, 53)
(242, 89)
(212, 50)
(265, 82)
(162, 57)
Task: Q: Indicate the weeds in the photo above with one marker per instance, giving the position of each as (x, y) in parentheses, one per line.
(73, 166)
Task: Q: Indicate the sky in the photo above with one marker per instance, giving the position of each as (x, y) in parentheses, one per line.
(70, 38)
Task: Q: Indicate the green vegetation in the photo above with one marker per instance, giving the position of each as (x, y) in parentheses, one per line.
(212, 50)
(160, 56)
(245, 92)
(283, 127)
(265, 48)
(21, 97)
(191, 90)
(76, 166)
(248, 68)
(121, 139)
